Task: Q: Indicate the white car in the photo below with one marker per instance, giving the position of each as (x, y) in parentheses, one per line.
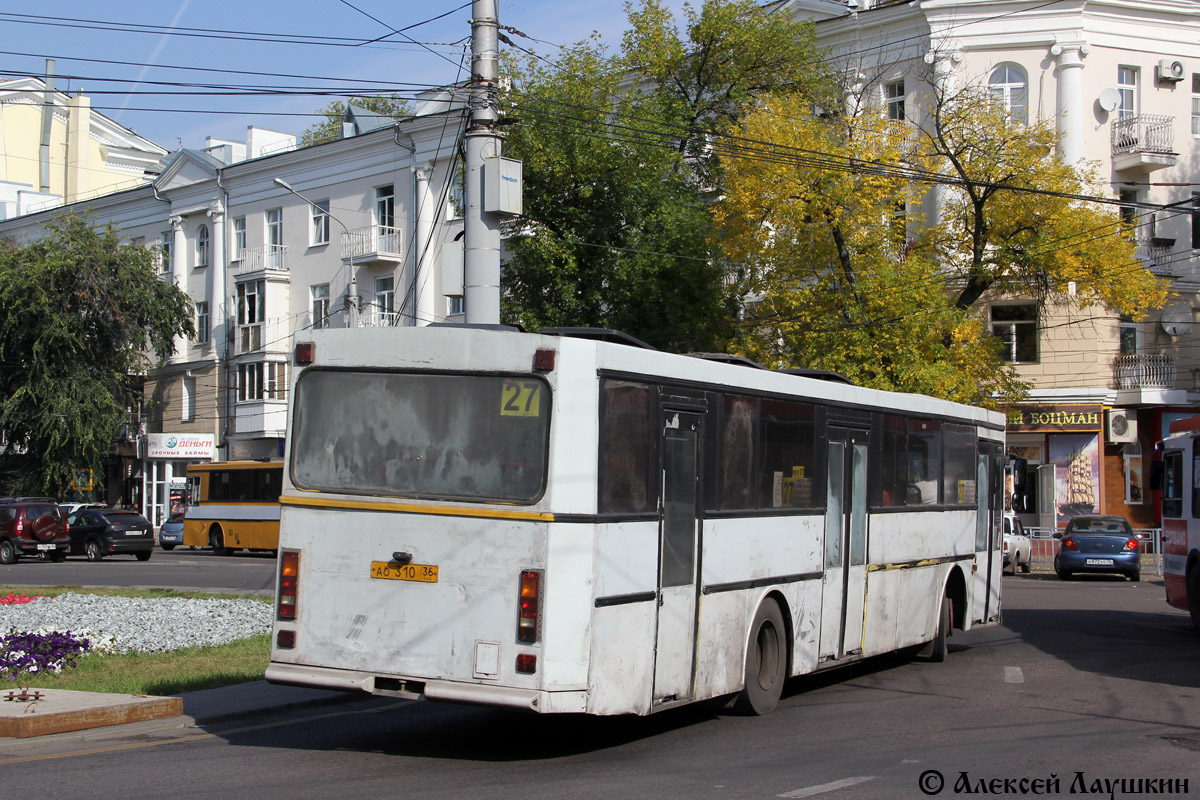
(1018, 548)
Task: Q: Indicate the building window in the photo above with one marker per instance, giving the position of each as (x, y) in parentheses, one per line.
(385, 301)
(1196, 104)
(1135, 493)
(319, 232)
(202, 246)
(1128, 211)
(202, 323)
(893, 94)
(164, 245)
(239, 238)
(1010, 89)
(1128, 336)
(319, 295)
(188, 392)
(265, 380)
(1196, 220)
(385, 206)
(1016, 327)
(1127, 88)
(458, 305)
(251, 313)
(274, 252)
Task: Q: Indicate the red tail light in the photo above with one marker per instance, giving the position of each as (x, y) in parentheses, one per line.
(1132, 544)
(289, 576)
(527, 611)
(1069, 543)
(526, 663)
(20, 525)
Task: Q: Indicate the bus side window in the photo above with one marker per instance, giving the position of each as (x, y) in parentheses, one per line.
(627, 445)
(1172, 489)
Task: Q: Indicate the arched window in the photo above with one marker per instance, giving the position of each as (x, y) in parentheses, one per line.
(1010, 88)
(202, 246)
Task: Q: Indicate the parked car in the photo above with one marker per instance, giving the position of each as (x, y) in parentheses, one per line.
(100, 532)
(1098, 543)
(1018, 548)
(32, 526)
(171, 532)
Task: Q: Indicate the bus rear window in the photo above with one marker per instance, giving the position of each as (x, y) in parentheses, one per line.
(471, 437)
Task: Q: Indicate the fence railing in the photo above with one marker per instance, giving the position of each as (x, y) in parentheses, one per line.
(1142, 133)
(1045, 546)
(1144, 371)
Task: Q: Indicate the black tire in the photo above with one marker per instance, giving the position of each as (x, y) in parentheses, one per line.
(1135, 576)
(1026, 567)
(1063, 575)
(939, 648)
(143, 555)
(168, 547)
(57, 556)
(1193, 594)
(8, 553)
(92, 550)
(766, 662)
(216, 540)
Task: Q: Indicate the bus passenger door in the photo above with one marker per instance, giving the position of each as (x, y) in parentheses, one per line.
(677, 546)
(988, 536)
(844, 589)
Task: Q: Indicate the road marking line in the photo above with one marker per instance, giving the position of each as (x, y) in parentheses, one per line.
(828, 787)
(1013, 675)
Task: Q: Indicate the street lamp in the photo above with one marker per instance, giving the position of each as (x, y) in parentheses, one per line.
(352, 293)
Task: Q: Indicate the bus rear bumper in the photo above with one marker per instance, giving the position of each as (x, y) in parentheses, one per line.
(566, 702)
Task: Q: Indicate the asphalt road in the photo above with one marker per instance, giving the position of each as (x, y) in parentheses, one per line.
(185, 569)
(1089, 680)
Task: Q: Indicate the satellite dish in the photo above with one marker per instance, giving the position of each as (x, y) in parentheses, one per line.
(1177, 319)
(1109, 99)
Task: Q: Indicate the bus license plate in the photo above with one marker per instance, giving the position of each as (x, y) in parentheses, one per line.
(1099, 562)
(424, 573)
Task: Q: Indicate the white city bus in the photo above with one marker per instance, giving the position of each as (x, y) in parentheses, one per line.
(564, 523)
(1181, 516)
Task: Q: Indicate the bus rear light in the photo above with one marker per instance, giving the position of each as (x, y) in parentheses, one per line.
(527, 663)
(305, 353)
(1132, 544)
(543, 360)
(1069, 543)
(527, 610)
(285, 640)
(289, 575)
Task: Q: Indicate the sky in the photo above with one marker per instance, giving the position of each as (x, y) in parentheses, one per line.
(131, 56)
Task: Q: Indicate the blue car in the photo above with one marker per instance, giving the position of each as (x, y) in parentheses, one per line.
(1098, 543)
(171, 532)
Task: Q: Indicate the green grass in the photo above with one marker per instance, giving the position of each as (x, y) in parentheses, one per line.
(170, 673)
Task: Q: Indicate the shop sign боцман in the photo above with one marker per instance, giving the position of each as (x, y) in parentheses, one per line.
(1054, 419)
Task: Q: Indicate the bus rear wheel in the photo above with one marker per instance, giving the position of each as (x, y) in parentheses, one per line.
(216, 540)
(1193, 593)
(938, 648)
(766, 662)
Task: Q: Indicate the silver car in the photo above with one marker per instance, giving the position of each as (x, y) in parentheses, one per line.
(171, 532)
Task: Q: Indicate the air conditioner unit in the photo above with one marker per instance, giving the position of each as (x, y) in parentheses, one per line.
(1122, 425)
(1170, 69)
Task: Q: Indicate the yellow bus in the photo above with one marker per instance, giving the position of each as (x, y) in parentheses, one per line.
(234, 505)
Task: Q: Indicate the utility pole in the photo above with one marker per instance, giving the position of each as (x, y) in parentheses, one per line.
(481, 257)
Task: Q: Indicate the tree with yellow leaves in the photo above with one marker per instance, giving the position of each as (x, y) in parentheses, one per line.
(842, 273)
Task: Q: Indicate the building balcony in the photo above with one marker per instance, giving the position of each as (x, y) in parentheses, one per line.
(375, 318)
(1159, 256)
(260, 417)
(258, 259)
(372, 245)
(1146, 379)
(1143, 142)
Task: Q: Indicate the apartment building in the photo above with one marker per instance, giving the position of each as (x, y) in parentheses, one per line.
(1121, 81)
(270, 240)
(55, 148)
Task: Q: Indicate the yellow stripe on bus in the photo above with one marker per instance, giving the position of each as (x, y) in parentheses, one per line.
(416, 508)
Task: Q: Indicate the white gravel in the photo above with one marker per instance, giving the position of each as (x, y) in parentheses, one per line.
(126, 624)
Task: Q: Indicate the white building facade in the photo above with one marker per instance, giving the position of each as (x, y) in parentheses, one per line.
(357, 231)
(1121, 81)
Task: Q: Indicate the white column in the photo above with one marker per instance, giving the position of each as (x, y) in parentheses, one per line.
(1070, 108)
(945, 65)
(216, 279)
(424, 281)
(178, 272)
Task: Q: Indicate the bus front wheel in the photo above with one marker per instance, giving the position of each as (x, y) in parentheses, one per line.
(766, 662)
(216, 540)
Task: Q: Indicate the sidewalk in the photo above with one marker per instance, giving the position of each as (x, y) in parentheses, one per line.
(63, 712)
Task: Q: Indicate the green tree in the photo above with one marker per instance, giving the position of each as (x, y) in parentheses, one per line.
(331, 127)
(616, 226)
(81, 316)
(823, 212)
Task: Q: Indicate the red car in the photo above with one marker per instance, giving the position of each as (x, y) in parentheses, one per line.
(31, 526)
